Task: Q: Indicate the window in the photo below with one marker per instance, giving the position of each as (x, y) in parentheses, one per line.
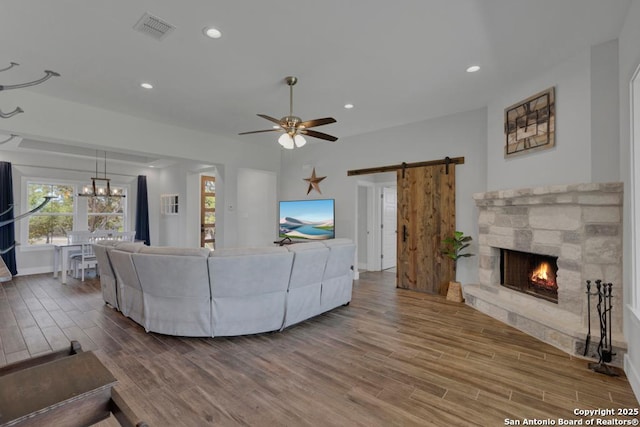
(169, 204)
(106, 213)
(51, 224)
(68, 212)
(207, 211)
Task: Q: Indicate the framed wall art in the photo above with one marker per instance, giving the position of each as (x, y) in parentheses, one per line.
(529, 125)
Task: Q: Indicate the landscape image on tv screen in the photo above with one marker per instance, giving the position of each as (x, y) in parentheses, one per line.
(307, 219)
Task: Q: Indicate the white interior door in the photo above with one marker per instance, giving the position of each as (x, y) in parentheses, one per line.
(389, 225)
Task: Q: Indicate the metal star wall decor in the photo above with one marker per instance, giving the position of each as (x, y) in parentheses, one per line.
(314, 182)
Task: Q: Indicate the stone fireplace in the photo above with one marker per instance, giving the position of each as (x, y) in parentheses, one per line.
(577, 230)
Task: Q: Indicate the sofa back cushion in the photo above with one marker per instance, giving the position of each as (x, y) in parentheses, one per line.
(341, 257)
(131, 247)
(176, 292)
(176, 251)
(309, 262)
(107, 275)
(237, 272)
(129, 290)
(248, 289)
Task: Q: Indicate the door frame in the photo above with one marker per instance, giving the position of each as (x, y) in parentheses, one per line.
(369, 217)
(373, 216)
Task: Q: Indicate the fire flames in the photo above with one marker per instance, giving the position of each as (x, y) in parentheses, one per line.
(543, 276)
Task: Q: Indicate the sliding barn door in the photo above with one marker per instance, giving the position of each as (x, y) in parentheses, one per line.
(426, 216)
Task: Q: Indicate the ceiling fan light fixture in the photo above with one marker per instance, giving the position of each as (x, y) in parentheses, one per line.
(294, 126)
(299, 140)
(212, 33)
(286, 141)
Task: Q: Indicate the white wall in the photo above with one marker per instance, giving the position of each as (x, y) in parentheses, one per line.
(257, 205)
(629, 59)
(586, 148)
(569, 161)
(605, 114)
(462, 134)
(171, 228)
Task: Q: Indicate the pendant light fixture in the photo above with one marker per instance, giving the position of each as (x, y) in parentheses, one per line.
(100, 186)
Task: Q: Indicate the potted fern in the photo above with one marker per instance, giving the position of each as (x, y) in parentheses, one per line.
(452, 248)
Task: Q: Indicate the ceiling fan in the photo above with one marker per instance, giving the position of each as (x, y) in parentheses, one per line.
(293, 126)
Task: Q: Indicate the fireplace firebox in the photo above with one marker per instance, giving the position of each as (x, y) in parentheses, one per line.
(530, 273)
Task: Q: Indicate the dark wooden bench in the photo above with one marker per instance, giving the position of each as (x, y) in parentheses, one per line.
(66, 388)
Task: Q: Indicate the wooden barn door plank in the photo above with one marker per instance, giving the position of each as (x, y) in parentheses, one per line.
(426, 215)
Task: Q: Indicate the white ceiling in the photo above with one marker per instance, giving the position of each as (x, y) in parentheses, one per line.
(398, 61)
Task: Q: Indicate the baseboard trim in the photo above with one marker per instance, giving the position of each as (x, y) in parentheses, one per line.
(34, 270)
(632, 375)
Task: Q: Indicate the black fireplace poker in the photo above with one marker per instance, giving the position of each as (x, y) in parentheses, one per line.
(603, 307)
(587, 340)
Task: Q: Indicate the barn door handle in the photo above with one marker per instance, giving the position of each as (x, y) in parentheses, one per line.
(405, 234)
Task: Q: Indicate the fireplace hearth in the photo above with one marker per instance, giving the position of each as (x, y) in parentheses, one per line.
(574, 233)
(532, 274)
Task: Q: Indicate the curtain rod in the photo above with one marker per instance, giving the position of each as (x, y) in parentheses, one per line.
(392, 168)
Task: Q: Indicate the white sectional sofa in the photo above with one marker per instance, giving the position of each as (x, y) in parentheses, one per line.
(197, 292)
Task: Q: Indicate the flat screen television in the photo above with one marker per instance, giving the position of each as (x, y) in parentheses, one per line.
(307, 219)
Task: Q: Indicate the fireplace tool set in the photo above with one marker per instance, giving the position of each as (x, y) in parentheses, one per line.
(603, 307)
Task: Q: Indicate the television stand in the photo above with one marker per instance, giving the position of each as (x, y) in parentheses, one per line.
(285, 241)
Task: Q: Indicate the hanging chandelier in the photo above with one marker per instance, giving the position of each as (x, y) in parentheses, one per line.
(100, 186)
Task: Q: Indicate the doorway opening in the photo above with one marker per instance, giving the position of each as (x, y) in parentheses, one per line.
(388, 227)
(376, 222)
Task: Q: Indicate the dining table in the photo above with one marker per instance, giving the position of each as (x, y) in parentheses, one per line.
(61, 259)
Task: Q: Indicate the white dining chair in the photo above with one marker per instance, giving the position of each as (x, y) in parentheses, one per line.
(85, 260)
(74, 238)
(128, 236)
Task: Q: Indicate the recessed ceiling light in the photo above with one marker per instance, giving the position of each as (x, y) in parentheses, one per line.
(146, 85)
(348, 106)
(212, 33)
(473, 69)
(276, 126)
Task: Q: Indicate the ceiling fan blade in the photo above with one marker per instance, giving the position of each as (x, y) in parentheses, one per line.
(271, 119)
(260, 131)
(316, 134)
(317, 122)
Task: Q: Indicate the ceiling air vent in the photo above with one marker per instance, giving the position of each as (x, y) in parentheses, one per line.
(153, 26)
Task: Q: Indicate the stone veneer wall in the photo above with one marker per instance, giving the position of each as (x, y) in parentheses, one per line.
(581, 224)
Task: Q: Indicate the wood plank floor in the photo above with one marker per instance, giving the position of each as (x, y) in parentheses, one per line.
(392, 357)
